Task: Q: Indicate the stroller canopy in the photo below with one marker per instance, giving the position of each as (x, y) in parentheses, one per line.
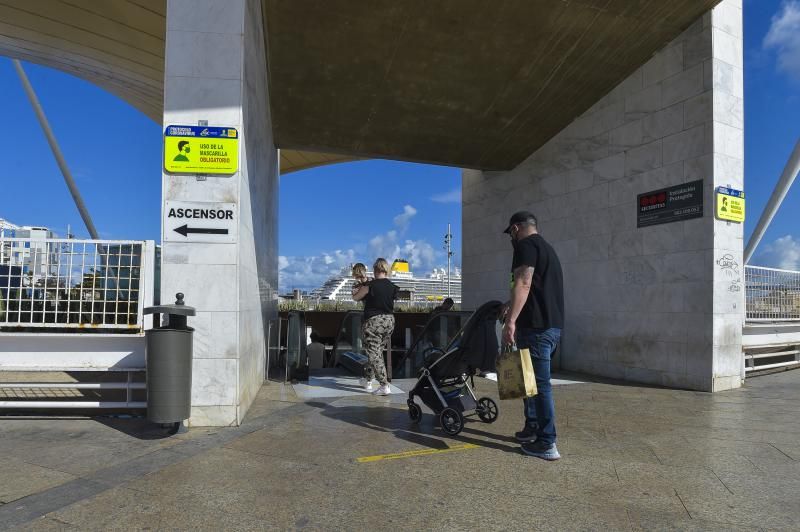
(475, 346)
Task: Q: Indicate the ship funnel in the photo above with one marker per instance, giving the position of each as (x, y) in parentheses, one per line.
(400, 266)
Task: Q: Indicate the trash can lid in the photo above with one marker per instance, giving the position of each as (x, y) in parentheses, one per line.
(179, 308)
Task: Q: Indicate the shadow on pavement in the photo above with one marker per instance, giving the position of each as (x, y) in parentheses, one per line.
(397, 423)
(136, 427)
(132, 425)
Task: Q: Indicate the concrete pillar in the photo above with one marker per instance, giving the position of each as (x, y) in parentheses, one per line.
(727, 135)
(216, 72)
(661, 304)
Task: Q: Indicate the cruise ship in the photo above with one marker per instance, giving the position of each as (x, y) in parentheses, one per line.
(430, 289)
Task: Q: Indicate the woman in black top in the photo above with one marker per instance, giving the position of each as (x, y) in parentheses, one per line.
(378, 296)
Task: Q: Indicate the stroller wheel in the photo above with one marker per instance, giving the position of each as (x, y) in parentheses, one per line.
(414, 412)
(451, 421)
(487, 410)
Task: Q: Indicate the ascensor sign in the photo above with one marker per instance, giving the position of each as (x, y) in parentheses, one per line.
(200, 221)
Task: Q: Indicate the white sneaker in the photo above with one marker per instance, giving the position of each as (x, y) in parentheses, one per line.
(366, 384)
(382, 390)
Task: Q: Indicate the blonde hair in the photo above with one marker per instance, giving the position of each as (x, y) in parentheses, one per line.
(359, 270)
(381, 265)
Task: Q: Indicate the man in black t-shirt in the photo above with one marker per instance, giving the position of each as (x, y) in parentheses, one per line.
(534, 318)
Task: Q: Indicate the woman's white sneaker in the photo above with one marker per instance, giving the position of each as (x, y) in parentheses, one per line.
(366, 384)
(382, 390)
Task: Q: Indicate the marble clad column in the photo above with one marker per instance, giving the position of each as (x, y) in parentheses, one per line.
(726, 130)
(215, 70)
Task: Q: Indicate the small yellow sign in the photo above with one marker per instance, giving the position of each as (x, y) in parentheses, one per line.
(201, 150)
(730, 204)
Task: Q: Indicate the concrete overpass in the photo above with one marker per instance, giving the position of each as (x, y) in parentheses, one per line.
(467, 84)
(570, 108)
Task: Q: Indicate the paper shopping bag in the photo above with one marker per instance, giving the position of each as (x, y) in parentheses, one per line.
(515, 377)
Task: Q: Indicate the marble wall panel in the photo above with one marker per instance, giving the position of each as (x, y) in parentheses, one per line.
(641, 303)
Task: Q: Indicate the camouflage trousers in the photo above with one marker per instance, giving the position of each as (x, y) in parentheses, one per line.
(376, 331)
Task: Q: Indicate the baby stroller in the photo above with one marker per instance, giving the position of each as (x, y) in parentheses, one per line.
(443, 380)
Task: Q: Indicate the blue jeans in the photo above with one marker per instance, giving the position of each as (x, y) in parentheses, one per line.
(540, 410)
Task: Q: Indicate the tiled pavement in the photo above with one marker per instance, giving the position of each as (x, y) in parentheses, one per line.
(634, 458)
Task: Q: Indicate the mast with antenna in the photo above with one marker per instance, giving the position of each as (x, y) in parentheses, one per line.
(448, 238)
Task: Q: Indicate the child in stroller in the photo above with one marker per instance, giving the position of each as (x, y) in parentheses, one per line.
(444, 377)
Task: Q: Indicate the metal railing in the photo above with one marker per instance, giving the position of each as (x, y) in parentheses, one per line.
(73, 284)
(772, 295)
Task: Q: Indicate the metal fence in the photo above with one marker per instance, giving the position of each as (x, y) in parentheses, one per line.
(72, 284)
(772, 294)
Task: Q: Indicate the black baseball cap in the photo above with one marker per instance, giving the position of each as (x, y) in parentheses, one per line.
(520, 217)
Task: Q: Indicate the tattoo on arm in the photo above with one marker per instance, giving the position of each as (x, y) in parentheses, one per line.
(523, 280)
(523, 275)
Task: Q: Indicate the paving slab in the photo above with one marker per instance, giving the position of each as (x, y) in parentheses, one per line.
(20, 479)
(634, 458)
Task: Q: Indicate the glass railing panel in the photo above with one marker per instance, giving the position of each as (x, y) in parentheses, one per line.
(276, 355)
(436, 334)
(295, 343)
(349, 336)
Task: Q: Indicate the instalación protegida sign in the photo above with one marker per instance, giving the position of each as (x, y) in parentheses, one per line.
(201, 150)
(671, 204)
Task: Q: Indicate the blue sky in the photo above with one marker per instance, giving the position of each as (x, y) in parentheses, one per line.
(772, 122)
(364, 210)
(114, 152)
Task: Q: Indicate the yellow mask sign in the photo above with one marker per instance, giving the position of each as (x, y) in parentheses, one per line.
(730, 204)
(201, 150)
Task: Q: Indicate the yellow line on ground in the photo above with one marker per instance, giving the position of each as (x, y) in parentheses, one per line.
(419, 452)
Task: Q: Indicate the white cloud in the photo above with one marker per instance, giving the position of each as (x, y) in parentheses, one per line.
(403, 220)
(419, 253)
(784, 36)
(453, 196)
(310, 272)
(784, 253)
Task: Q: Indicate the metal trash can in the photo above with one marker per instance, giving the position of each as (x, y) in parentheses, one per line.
(169, 363)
